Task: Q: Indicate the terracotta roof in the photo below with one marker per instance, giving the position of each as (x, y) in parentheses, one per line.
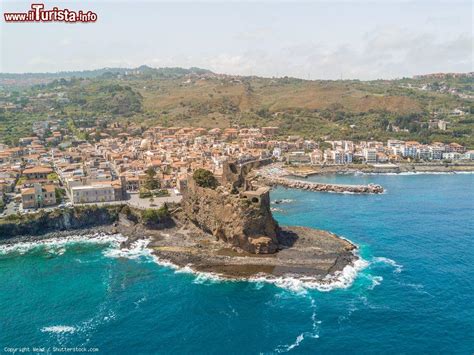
(38, 169)
(28, 191)
(31, 190)
(49, 188)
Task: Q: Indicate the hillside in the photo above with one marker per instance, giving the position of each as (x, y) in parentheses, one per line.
(196, 97)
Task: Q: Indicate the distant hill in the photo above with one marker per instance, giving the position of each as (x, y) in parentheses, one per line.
(321, 109)
(25, 79)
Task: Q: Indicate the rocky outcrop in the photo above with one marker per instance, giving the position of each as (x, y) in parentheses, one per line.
(58, 220)
(309, 254)
(233, 212)
(315, 186)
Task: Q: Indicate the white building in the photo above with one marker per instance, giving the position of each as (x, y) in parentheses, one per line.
(410, 151)
(298, 158)
(92, 193)
(370, 155)
(452, 156)
(424, 153)
(436, 152)
(277, 153)
(469, 155)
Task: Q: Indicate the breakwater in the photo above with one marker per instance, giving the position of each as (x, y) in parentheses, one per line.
(322, 187)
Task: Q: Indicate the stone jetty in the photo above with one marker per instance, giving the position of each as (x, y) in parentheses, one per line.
(317, 186)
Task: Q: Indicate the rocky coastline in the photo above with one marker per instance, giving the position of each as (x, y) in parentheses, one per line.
(228, 231)
(302, 252)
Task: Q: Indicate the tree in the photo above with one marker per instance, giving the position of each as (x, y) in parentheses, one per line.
(205, 178)
(151, 182)
(152, 216)
(59, 193)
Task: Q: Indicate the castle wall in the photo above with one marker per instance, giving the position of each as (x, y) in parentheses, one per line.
(242, 220)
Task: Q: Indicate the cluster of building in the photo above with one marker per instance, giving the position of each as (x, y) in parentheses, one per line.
(116, 165)
(371, 152)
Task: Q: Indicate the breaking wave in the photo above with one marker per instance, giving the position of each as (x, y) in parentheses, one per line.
(58, 329)
(314, 333)
(380, 259)
(140, 250)
(376, 280)
(58, 245)
(137, 250)
(340, 280)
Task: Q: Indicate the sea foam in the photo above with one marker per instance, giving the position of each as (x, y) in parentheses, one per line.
(339, 280)
(58, 245)
(314, 333)
(137, 250)
(380, 259)
(58, 329)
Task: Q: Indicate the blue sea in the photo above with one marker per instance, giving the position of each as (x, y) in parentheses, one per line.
(414, 295)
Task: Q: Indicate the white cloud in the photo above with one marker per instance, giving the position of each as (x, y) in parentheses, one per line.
(385, 53)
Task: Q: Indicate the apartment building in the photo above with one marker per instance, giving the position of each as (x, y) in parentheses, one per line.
(37, 173)
(93, 193)
(38, 196)
(370, 155)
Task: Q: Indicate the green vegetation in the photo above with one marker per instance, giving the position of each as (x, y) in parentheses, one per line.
(205, 178)
(52, 177)
(59, 193)
(154, 216)
(13, 218)
(103, 97)
(157, 193)
(151, 181)
(21, 181)
(89, 103)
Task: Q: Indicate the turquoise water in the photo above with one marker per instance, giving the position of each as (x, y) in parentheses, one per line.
(414, 296)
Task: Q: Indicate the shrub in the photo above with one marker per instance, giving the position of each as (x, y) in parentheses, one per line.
(161, 193)
(154, 216)
(205, 178)
(13, 217)
(53, 177)
(144, 194)
(126, 210)
(59, 193)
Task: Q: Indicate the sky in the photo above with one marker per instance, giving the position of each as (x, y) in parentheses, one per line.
(363, 40)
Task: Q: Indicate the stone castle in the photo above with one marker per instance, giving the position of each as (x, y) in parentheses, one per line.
(236, 212)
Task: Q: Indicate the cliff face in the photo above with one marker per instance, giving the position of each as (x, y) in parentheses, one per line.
(233, 213)
(59, 220)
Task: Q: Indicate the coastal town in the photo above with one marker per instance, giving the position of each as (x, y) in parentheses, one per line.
(147, 167)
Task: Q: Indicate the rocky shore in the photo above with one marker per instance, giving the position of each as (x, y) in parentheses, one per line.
(302, 252)
(226, 230)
